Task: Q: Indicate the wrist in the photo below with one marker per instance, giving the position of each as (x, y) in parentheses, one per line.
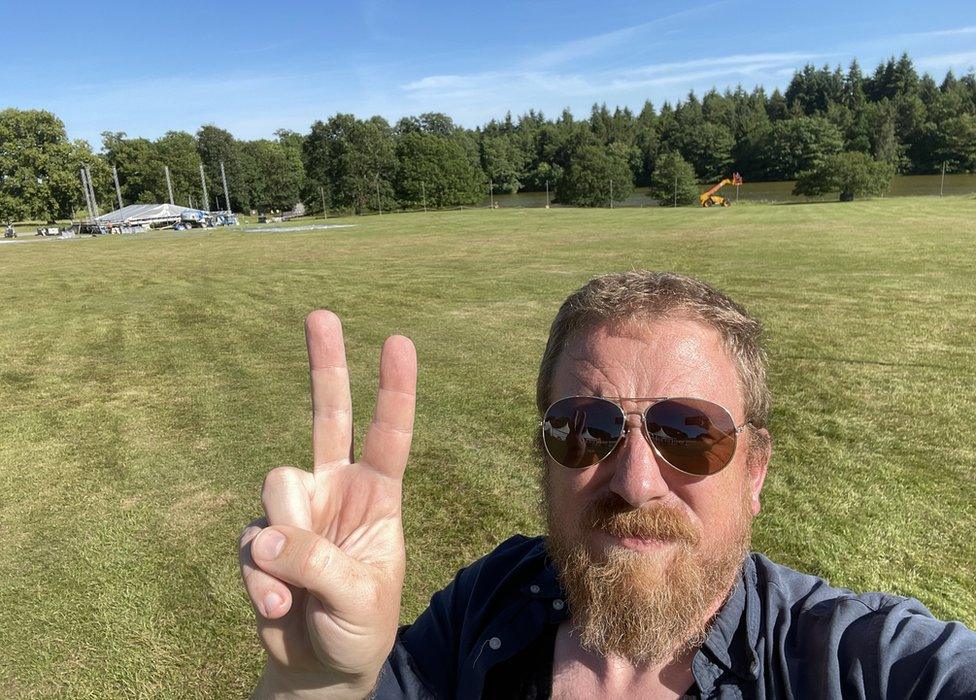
(276, 684)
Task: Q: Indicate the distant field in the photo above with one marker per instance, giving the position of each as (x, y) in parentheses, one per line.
(148, 382)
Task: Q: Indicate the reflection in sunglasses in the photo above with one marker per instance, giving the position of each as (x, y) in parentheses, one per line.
(589, 433)
(694, 435)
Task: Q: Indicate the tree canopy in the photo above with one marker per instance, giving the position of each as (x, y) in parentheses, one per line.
(437, 171)
(595, 177)
(673, 182)
(40, 168)
(851, 174)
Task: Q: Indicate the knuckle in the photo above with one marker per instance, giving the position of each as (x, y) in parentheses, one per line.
(331, 412)
(392, 429)
(279, 478)
(250, 577)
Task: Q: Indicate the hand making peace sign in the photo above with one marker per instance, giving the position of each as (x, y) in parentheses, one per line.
(324, 569)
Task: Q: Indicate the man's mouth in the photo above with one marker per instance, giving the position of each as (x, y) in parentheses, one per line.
(633, 541)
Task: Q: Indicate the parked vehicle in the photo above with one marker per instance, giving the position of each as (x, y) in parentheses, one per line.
(710, 199)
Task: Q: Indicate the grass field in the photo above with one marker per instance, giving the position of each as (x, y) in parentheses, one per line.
(148, 382)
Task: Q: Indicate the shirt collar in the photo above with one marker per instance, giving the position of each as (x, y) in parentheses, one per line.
(732, 639)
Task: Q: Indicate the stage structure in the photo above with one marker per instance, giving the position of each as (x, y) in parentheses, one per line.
(142, 217)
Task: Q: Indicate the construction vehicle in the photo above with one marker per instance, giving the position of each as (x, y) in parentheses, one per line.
(710, 199)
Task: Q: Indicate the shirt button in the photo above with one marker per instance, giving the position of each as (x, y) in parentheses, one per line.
(558, 604)
(534, 588)
(495, 643)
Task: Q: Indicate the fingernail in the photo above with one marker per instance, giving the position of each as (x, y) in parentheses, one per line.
(271, 603)
(268, 545)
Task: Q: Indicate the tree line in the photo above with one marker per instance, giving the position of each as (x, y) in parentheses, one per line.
(894, 119)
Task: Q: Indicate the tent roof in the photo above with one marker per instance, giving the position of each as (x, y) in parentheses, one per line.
(145, 213)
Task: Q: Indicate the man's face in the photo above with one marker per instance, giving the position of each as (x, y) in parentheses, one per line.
(665, 538)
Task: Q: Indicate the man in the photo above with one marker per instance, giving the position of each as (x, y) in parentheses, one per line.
(653, 406)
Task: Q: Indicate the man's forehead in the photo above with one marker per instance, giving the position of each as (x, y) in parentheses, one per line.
(668, 338)
(669, 356)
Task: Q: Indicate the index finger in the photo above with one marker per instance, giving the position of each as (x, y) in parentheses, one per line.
(387, 443)
(331, 401)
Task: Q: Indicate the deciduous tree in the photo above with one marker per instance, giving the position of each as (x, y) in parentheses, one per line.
(436, 170)
(587, 180)
(39, 167)
(850, 174)
(673, 182)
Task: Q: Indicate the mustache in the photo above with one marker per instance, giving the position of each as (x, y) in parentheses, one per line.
(616, 517)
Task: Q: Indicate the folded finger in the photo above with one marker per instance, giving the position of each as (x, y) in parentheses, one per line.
(270, 597)
(307, 560)
(287, 497)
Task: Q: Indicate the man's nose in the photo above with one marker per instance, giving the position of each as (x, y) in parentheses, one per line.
(637, 476)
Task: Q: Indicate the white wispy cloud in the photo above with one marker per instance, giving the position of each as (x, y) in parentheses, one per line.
(944, 32)
(964, 60)
(919, 45)
(589, 46)
(737, 63)
(599, 84)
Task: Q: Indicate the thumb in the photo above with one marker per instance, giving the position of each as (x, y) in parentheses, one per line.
(309, 561)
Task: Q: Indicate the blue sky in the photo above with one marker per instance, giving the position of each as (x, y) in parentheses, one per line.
(251, 68)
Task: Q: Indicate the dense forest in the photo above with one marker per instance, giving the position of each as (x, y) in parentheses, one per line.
(907, 122)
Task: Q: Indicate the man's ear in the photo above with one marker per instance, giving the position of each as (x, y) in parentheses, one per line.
(760, 450)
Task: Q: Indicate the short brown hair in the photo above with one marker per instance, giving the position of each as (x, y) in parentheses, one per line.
(642, 294)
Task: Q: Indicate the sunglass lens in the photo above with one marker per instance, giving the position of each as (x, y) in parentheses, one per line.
(694, 435)
(580, 431)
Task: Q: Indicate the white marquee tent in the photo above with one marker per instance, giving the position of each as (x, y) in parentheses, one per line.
(148, 215)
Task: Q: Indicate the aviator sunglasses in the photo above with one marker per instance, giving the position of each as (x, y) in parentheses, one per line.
(694, 436)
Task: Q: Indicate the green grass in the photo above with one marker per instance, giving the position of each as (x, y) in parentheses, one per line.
(148, 382)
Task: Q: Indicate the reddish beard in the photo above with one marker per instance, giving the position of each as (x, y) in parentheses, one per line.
(630, 604)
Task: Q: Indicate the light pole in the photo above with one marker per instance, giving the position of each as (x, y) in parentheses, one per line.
(611, 194)
(547, 194)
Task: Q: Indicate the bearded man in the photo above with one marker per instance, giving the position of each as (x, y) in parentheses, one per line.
(653, 408)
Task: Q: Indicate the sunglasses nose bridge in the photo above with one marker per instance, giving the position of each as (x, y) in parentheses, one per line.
(636, 421)
(628, 423)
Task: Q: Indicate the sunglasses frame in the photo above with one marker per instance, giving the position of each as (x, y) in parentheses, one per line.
(625, 433)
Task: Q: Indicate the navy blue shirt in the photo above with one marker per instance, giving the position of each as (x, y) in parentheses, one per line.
(781, 634)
